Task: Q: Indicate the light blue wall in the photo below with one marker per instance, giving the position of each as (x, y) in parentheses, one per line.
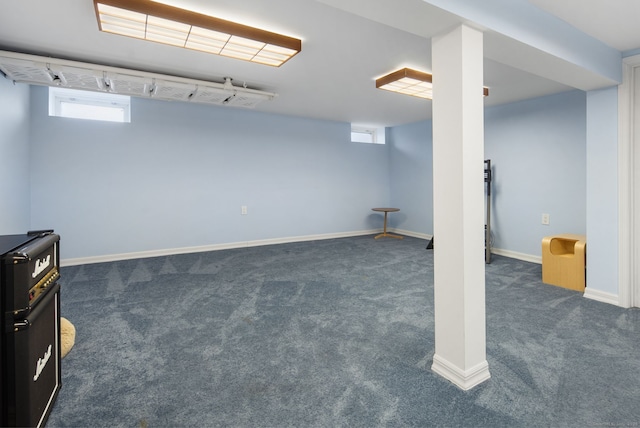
(631, 52)
(411, 176)
(602, 185)
(178, 174)
(14, 158)
(538, 151)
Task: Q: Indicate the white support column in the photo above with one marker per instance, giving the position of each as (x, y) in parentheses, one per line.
(458, 200)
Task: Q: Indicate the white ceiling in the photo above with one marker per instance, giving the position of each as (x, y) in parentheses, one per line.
(345, 47)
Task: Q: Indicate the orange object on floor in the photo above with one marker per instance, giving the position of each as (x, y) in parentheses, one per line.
(564, 259)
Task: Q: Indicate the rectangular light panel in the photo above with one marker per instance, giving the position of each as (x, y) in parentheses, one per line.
(157, 22)
(407, 81)
(411, 82)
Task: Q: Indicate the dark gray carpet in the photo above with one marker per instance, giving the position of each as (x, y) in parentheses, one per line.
(330, 334)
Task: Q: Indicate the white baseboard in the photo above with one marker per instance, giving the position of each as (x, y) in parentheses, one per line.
(261, 242)
(410, 233)
(589, 293)
(213, 247)
(516, 255)
(602, 296)
(305, 238)
(498, 251)
(464, 379)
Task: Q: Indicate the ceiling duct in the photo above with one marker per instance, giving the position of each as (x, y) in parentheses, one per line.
(38, 70)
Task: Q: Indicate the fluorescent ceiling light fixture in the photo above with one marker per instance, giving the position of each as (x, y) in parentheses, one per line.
(157, 22)
(411, 82)
(407, 81)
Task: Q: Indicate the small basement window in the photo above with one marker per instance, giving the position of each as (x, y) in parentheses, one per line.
(77, 104)
(371, 135)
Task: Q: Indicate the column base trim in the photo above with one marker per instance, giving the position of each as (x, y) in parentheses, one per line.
(463, 379)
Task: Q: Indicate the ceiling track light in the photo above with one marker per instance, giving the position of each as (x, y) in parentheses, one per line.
(411, 82)
(37, 70)
(158, 22)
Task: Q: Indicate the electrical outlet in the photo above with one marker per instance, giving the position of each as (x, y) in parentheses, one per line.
(545, 219)
(244, 210)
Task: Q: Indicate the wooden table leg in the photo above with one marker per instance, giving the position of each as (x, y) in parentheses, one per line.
(384, 230)
(384, 233)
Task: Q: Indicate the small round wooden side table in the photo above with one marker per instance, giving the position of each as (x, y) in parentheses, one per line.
(384, 233)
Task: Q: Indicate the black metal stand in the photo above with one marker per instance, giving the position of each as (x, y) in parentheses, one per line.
(430, 244)
(487, 226)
